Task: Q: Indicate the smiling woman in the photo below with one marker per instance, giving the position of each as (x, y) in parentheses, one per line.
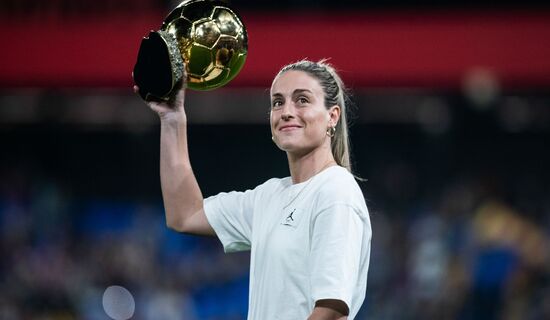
(299, 118)
(310, 96)
(309, 234)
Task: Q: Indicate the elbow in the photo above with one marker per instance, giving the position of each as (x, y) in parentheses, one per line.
(177, 225)
(184, 221)
(181, 225)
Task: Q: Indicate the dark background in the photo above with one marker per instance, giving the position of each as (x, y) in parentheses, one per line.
(457, 180)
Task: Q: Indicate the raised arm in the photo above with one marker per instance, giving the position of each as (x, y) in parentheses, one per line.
(183, 200)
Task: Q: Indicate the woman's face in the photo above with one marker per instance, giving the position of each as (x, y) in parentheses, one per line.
(299, 119)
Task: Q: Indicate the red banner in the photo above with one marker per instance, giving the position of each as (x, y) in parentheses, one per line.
(380, 49)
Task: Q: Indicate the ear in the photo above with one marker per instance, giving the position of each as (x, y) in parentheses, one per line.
(334, 115)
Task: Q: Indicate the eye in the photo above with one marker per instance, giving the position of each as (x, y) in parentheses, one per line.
(275, 104)
(303, 100)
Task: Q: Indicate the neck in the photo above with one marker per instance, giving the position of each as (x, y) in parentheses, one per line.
(304, 166)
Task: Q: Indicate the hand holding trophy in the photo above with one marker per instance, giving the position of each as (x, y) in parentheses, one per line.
(201, 44)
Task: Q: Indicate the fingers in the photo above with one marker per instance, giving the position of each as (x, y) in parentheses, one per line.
(149, 98)
(174, 104)
(180, 94)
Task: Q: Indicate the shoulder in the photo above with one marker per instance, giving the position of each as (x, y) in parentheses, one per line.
(267, 187)
(270, 185)
(338, 182)
(340, 175)
(338, 186)
(273, 184)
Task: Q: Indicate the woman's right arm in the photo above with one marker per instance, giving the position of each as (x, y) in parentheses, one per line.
(183, 200)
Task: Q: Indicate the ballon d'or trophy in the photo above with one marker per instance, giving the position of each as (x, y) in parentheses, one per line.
(205, 37)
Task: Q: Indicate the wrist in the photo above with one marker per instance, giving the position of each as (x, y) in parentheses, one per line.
(173, 117)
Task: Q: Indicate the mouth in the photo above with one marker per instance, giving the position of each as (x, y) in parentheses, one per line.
(289, 127)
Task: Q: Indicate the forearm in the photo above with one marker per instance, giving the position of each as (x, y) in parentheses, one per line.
(180, 190)
(323, 313)
(329, 309)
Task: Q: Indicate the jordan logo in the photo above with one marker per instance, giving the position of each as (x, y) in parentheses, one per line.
(290, 219)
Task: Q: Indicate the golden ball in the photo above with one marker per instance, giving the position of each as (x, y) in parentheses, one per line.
(212, 41)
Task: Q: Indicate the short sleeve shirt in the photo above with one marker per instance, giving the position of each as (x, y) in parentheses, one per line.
(309, 241)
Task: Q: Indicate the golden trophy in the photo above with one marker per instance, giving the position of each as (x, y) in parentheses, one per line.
(203, 40)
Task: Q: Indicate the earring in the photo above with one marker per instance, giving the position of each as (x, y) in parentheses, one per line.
(331, 131)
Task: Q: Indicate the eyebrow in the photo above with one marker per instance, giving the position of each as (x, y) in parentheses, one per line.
(295, 92)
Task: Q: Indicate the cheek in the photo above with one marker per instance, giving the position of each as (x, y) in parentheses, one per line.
(317, 121)
(271, 120)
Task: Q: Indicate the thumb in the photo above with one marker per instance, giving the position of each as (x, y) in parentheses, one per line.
(179, 96)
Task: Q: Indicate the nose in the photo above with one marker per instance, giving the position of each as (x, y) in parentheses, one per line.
(286, 112)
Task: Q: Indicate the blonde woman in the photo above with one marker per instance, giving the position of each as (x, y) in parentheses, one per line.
(309, 233)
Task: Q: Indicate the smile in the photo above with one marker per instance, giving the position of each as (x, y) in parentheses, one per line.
(289, 128)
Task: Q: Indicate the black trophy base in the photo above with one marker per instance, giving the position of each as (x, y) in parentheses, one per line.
(153, 70)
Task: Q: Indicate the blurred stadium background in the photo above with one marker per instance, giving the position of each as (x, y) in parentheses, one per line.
(451, 132)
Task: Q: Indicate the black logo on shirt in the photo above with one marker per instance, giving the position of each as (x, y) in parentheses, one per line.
(289, 219)
(292, 218)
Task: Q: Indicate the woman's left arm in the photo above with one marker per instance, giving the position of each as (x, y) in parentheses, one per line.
(329, 309)
(335, 259)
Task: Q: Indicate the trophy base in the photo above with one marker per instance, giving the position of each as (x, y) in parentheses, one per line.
(153, 71)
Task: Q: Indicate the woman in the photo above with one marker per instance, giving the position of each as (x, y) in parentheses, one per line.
(309, 234)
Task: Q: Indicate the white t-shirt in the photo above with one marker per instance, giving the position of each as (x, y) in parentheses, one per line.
(308, 241)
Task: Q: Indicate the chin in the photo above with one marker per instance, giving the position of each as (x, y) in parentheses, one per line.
(286, 145)
(294, 149)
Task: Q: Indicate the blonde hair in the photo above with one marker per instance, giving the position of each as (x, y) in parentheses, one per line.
(335, 94)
